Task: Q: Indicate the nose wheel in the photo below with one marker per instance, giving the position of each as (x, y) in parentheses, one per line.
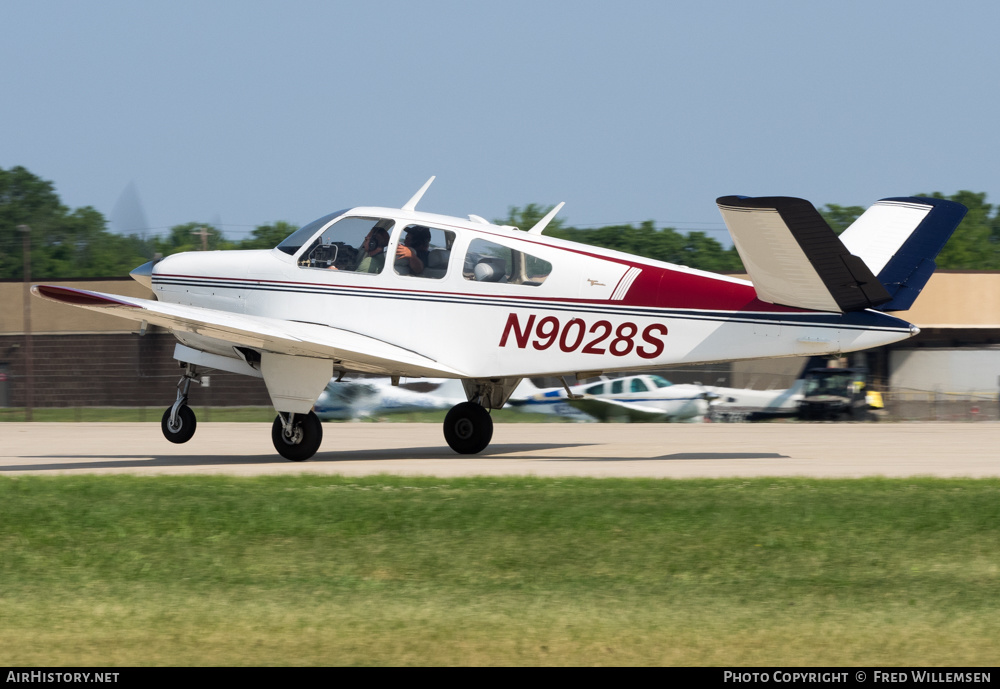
(297, 437)
(179, 423)
(468, 428)
(178, 427)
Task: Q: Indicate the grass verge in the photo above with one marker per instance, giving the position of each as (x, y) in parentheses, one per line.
(304, 570)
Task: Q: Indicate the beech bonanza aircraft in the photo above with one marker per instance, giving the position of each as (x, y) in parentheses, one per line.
(491, 305)
(644, 397)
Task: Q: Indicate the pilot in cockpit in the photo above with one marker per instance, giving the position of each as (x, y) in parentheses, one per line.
(371, 253)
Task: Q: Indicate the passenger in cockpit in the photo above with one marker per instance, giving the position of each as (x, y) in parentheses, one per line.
(414, 250)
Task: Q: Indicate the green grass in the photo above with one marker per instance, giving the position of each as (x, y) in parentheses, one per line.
(301, 570)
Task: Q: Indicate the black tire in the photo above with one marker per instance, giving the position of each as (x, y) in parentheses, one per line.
(306, 437)
(468, 428)
(187, 424)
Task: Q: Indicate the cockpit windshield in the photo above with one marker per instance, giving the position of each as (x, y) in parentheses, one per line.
(293, 242)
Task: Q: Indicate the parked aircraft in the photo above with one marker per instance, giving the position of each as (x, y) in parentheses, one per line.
(365, 398)
(643, 397)
(747, 404)
(398, 292)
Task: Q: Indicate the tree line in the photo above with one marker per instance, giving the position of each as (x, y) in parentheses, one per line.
(76, 243)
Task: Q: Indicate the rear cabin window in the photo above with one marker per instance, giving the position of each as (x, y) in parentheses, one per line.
(423, 251)
(355, 245)
(488, 261)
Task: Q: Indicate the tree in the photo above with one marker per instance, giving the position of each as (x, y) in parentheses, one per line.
(840, 217)
(188, 237)
(268, 236)
(527, 217)
(695, 249)
(976, 242)
(24, 200)
(64, 243)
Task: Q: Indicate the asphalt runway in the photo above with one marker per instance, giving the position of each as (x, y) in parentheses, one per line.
(599, 450)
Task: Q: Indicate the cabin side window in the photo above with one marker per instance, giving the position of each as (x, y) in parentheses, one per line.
(355, 245)
(423, 251)
(488, 261)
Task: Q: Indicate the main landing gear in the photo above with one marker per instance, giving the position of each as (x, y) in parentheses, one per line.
(468, 428)
(296, 437)
(179, 423)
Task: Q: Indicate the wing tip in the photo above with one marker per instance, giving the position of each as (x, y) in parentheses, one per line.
(77, 297)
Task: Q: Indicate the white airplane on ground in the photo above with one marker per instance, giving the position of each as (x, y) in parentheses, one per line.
(747, 404)
(365, 398)
(492, 305)
(643, 397)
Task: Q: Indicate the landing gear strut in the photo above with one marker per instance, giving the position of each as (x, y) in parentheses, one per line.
(468, 428)
(296, 437)
(179, 422)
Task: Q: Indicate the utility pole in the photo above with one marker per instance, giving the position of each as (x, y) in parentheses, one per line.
(203, 233)
(29, 359)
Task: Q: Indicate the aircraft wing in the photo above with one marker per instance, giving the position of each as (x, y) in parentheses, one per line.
(351, 350)
(611, 410)
(795, 259)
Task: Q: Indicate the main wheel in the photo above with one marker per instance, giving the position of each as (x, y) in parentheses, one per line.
(468, 428)
(305, 439)
(183, 429)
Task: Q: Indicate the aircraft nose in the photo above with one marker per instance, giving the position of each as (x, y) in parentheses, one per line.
(144, 274)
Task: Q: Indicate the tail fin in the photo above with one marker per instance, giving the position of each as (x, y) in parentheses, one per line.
(898, 239)
(882, 261)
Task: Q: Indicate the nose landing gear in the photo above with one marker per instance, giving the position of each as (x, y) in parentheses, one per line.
(179, 422)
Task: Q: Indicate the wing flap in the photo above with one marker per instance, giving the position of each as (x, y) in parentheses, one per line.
(353, 350)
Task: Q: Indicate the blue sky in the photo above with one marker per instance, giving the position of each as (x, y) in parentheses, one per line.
(252, 112)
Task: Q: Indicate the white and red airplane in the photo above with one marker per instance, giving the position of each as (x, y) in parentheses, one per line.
(490, 305)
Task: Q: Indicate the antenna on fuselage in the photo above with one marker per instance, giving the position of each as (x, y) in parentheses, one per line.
(411, 205)
(541, 224)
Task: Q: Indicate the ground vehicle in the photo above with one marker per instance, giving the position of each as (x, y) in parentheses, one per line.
(832, 393)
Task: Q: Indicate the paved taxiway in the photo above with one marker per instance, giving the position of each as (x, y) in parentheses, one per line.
(648, 450)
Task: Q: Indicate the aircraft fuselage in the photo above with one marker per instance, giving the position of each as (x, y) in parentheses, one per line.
(570, 309)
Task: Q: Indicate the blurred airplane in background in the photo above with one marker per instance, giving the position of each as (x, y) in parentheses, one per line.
(644, 397)
(371, 397)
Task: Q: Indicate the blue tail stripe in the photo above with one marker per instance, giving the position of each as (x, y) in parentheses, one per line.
(906, 273)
